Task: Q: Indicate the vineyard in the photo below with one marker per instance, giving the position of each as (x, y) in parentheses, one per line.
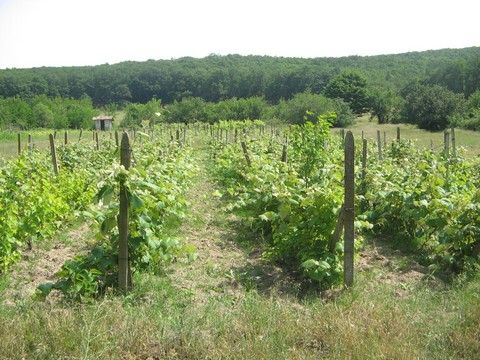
(233, 231)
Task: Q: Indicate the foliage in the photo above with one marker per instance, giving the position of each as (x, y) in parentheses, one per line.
(34, 203)
(303, 107)
(216, 78)
(137, 114)
(42, 111)
(460, 76)
(428, 202)
(155, 187)
(294, 206)
(352, 88)
(385, 105)
(431, 106)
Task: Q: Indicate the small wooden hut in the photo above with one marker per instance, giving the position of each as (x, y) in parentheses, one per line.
(103, 123)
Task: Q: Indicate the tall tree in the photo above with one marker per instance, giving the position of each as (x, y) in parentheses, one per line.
(352, 88)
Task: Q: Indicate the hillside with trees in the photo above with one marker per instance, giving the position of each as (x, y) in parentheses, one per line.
(236, 87)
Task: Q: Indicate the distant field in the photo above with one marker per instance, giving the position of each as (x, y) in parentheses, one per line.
(40, 140)
(469, 140)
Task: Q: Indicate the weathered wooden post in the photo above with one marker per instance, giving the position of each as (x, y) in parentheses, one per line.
(446, 140)
(364, 158)
(66, 137)
(30, 146)
(19, 143)
(124, 274)
(452, 135)
(349, 209)
(398, 133)
(97, 144)
(379, 145)
(245, 152)
(80, 135)
(54, 154)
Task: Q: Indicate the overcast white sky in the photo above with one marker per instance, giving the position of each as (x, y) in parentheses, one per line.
(36, 33)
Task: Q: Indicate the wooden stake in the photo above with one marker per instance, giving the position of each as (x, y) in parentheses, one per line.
(349, 202)
(54, 154)
(446, 137)
(19, 143)
(30, 146)
(364, 158)
(452, 135)
(379, 145)
(245, 152)
(124, 274)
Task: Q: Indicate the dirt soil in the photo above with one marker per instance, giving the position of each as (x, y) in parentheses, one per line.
(40, 264)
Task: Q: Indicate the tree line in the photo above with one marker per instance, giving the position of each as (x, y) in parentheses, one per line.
(219, 87)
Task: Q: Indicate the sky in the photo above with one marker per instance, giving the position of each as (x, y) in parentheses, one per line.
(36, 33)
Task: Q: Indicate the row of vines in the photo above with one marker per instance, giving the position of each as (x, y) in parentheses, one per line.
(286, 184)
(424, 202)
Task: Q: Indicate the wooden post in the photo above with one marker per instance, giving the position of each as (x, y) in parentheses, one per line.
(124, 275)
(245, 152)
(30, 144)
(446, 138)
(66, 137)
(54, 154)
(284, 153)
(97, 145)
(379, 144)
(349, 203)
(364, 158)
(452, 135)
(80, 135)
(19, 143)
(398, 133)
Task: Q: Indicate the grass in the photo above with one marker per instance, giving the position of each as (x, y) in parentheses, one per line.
(469, 140)
(158, 321)
(230, 304)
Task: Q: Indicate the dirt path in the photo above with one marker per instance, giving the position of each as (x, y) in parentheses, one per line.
(229, 257)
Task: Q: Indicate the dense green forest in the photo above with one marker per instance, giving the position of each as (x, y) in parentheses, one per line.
(387, 86)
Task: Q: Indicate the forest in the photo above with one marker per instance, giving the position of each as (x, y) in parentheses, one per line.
(392, 88)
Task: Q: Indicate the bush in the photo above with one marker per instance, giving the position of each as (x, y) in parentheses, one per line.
(295, 111)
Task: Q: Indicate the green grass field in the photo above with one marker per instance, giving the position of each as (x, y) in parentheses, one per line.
(468, 140)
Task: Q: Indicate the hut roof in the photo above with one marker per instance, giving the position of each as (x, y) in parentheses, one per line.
(95, 118)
